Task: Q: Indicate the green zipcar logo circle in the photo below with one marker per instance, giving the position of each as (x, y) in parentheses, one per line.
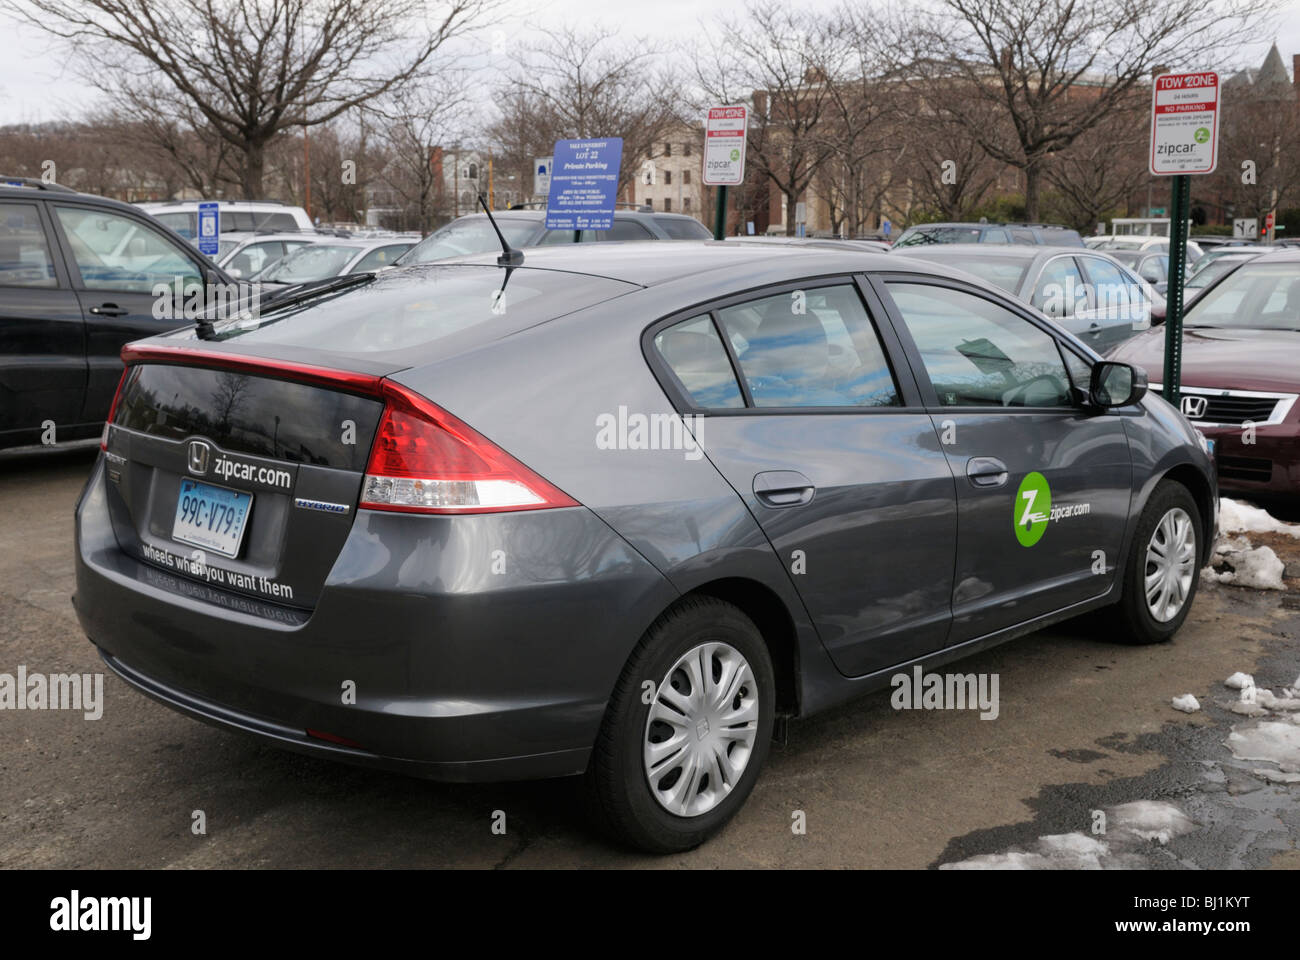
(1202, 135)
(1032, 508)
(735, 155)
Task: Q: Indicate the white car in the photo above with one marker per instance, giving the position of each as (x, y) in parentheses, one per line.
(331, 257)
(234, 216)
(1129, 241)
(243, 254)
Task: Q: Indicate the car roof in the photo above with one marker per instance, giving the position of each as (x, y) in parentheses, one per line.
(648, 262)
(247, 236)
(1015, 251)
(1284, 255)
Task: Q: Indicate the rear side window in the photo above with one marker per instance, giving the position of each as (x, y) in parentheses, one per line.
(627, 230)
(978, 353)
(810, 348)
(24, 250)
(697, 358)
(683, 229)
(1061, 291)
(182, 223)
(1110, 285)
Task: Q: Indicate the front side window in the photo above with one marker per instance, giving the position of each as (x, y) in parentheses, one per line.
(24, 250)
(978, 353)
(810, 348)
(384, 256)
(120, 253)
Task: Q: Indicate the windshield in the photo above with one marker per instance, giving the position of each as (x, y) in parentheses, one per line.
(315, 262)
(1260, 296)
(470, 235)
(1206, 275)
(1004, 272)
(919, 235)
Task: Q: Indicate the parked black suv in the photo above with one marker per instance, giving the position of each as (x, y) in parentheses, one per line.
(77, 275)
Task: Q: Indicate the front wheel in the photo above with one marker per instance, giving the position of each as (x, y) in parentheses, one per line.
(1163, 568)
(686, 731)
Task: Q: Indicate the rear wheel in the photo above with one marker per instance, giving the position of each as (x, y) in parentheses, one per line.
(687, 729)
(1163, 568)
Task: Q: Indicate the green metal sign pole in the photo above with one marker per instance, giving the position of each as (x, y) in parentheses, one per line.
(720, 215)
(1181, 201)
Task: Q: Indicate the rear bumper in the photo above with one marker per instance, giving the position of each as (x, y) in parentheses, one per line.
(455, 648)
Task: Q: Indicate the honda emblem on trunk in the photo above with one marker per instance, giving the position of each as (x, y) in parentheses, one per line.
(1194, 407)
(199, 455)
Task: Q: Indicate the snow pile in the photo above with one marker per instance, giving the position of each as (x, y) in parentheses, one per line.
(1186, 703)
(1245, 566)
(1130, 828)
(1269, 741)
(1238, 517)
(1239, 681)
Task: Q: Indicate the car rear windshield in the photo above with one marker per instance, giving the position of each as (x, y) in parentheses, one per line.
(922, 235)
(1260, 296)
(683, 229)
(463, 304)
(1004, 272)
(255, 415)
(317, 261)
(467, 236)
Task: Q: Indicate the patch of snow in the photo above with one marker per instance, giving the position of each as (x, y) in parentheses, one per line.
(1187, 703)
(1270, 741)
(1255, 567)
(1238, 517)
(1239, 680)
(1130, 827)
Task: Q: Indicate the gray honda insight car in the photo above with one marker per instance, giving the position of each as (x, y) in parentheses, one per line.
(615, 509)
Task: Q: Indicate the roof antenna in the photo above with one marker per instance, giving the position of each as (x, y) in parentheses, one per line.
(509, 255)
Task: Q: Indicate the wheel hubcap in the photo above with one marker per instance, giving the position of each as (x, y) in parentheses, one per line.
(1171, 564)
(701, 729)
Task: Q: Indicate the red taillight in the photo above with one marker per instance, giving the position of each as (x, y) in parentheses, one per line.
(424, 460)
(112, 410)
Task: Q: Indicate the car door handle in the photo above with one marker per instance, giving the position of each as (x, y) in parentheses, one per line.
(986, 471)
(783, 488)
(109, 310)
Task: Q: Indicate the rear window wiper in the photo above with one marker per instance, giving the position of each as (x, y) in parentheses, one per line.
(294, 294)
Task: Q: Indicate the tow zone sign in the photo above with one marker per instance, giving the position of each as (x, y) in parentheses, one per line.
(724, 146)
(1185, 123)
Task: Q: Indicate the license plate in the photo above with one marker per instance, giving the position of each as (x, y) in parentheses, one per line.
(1209, 445)
(211, 517)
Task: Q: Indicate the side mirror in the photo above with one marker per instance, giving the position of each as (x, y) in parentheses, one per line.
(1116, 384)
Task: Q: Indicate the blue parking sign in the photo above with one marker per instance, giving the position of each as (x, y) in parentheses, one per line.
(209, 228)
(584, 184)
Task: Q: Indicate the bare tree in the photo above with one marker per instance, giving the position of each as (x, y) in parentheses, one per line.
(781, 62)
(581, 84)
(1055, 69)
(1099, 172)
(251, 68)
(413, 123)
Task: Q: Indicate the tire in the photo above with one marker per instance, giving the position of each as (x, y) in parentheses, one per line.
(1136, 619)
(620, 795)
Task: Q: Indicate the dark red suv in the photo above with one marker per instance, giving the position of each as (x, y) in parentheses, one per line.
(1241, 373)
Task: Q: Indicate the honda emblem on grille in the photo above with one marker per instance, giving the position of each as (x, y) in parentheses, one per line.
(1194, 407)
(199, 455)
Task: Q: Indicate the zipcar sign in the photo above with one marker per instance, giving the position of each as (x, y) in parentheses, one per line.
(584, 180)
(1185, 123)
(724, 146)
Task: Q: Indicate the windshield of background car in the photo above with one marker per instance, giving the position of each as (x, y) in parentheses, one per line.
(920, 235)
(683, 229)
(402, 309)
(463, 237)
(315, 262)
(1259, 296)
(1004, 272)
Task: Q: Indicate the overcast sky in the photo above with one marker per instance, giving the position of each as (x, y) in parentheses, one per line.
(35, 86)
